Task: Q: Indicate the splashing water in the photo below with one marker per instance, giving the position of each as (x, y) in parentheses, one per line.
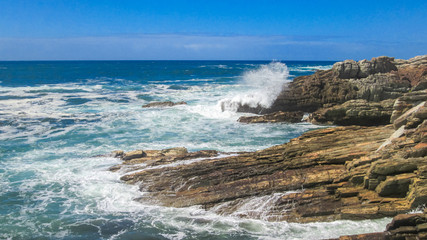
(55, 119)
(263, 86)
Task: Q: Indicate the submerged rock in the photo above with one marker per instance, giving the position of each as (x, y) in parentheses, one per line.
(163, 104)
(291, 117)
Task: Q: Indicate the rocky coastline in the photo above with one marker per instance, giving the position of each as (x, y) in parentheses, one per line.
(372, 164)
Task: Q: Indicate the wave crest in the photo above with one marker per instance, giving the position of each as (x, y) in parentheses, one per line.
(262, 86)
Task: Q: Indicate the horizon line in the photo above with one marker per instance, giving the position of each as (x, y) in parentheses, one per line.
(164, 60)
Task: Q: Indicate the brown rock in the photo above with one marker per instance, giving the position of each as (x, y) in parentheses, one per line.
(402, 220)
(312, 162)
(396, 186)
(366, 236)
(291, 117)
(375, 80)
(133, 154)
(355, 112)
(352, 69)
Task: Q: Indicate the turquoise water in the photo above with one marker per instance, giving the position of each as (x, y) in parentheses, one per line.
(57, 117)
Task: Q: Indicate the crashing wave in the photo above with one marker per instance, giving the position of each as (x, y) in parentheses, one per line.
(263, 86)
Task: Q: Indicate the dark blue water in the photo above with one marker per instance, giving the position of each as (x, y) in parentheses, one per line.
(56, 116)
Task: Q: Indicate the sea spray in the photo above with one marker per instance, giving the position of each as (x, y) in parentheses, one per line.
(263, 85)
(53, 120)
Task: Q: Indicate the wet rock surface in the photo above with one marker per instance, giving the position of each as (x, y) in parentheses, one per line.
(291, 117)
(375, 166)
(403, 226)
(376, 80)
(349, 172)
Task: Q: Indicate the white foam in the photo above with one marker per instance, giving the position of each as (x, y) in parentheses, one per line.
(263, 85)
(55, 176)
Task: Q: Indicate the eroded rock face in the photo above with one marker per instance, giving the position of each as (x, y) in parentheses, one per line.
(408, 101)
(352, 69)
(351, 172)
(407, 226)
(355, 112)
(403, 226)
(376, 80)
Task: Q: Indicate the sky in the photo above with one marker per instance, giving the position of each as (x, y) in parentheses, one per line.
(211, 29)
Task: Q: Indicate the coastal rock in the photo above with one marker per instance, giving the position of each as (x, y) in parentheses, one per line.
(376, 80)
(346, 69)
(407, 226)
(415, 61)
(355, 112)
(404, 104)
(350, 172)
(291, 117)
(352, 69)
(150, 158)
(403, 226)
(163, 104)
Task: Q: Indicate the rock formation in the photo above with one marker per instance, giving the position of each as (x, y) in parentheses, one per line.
(349, 172)
(403, 226)
(376, 80)
(291, 117)
(355, 112)
(367, 168)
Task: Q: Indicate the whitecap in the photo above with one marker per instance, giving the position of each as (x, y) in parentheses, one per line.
(263, 85)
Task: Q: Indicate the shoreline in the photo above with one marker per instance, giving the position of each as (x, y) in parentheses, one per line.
(345, 172)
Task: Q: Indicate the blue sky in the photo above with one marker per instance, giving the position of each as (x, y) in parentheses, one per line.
(199, 30)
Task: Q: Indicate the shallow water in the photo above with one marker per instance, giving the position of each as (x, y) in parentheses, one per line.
(55, 117)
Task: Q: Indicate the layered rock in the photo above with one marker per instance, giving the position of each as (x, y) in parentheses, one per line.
(351, 172)
(355, 112)
(290, 117)
(163, 104)
(402, 105)
(403, 226)
(407, 226)
(362, 69)
(376, 80)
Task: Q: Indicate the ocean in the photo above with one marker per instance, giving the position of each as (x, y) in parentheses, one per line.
(59, 120)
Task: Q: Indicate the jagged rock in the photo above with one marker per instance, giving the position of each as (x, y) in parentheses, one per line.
(163, 104)
(376, 80)
(355, 112)
(346, 69)
(348, 172)
(292, 117)
(352, 69)
(395, 186)
(407, 226)
(406, 102)
(313, 161)
(413, 116)
(415, 61)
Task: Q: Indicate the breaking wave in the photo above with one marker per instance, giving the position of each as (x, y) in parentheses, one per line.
(263, 85)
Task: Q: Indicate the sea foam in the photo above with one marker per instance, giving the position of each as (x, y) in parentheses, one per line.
(263, 86)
